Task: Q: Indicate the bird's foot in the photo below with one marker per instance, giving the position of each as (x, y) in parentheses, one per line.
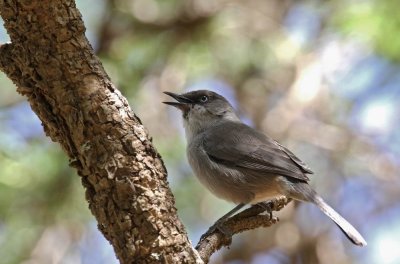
(274, 205)
(267, 206)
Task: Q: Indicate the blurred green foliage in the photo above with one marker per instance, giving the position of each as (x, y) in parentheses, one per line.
(375, 21)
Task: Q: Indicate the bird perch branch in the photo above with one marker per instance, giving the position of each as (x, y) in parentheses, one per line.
(248, 219)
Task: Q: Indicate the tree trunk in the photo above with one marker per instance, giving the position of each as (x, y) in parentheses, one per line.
(53, 65)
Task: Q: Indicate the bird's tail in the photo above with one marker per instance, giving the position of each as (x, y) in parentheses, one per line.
(352, 234)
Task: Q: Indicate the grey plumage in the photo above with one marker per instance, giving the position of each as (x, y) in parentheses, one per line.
(241, 165)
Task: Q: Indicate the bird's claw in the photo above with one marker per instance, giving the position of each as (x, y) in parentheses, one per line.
(267, 206)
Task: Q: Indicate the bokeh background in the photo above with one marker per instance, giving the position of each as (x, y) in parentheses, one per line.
(321, 77)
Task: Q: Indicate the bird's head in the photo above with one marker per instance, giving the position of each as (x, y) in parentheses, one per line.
(202, 108)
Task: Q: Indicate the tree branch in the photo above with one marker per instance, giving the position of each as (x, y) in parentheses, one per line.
(248, 219)
(53, 64)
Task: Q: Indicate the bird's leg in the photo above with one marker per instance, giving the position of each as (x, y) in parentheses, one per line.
(219, 223)
(267, 206)
(230, 213)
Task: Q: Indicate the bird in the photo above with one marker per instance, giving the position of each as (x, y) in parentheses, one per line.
(239, 164)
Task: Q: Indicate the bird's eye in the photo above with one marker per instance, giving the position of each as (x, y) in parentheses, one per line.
(204, 99)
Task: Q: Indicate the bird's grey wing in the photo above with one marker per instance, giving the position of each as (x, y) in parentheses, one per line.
(304, 167)
(239, 146)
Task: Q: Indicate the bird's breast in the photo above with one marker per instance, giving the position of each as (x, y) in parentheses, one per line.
(224, 182)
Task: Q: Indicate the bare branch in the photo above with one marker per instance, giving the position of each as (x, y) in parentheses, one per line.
(248, 219)
(53, 64)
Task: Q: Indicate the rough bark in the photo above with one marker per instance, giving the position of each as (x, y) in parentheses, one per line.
(53, 65)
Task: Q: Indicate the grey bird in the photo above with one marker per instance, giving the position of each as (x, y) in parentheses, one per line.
(241, 165)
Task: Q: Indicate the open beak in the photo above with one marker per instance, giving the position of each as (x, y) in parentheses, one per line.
(183, 102)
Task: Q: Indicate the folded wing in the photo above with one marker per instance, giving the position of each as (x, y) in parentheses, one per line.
(238, 145)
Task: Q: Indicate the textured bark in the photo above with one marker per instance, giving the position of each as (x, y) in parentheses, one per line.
(53, 65)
